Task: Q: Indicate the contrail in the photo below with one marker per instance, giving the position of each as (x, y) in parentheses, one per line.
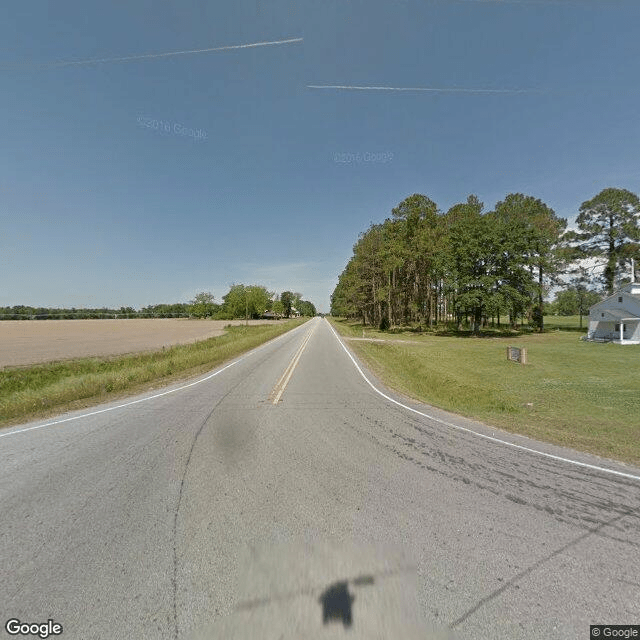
(339, 87)
(145, 56)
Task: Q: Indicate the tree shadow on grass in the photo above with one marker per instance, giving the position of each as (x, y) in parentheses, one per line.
(448, 331)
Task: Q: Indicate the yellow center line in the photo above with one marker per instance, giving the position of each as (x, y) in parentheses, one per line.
(281, 385)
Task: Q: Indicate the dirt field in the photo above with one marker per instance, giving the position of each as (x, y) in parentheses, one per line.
(25, 342)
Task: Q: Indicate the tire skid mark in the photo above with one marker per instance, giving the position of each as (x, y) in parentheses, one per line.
(531, 479)
(572, 507)
(177, 510)
(478, 435)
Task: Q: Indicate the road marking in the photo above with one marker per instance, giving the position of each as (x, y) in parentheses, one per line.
(476, 433)
(281, 385)
(157, 395)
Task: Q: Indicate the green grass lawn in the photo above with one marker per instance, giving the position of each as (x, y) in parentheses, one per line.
(571, 323)
(45, 389)
(573, 393)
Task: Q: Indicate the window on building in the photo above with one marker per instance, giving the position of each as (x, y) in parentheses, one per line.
(619, 298)
(624, 327)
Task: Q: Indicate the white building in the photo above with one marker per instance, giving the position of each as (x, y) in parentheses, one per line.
(617, 318)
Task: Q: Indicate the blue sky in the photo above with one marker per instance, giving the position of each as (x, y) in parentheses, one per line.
(98, 209)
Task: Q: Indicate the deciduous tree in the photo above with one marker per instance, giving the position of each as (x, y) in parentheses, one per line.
(203, 305)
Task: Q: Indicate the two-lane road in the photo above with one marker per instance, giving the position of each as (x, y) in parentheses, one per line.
(283, 487)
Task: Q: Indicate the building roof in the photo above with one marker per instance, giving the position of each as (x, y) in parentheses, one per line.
(619, 314)
(632, 290)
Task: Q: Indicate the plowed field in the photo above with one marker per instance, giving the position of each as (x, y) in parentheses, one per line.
(24, 342)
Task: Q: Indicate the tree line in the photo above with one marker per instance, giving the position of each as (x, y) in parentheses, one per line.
(426, 266)
(25, 312)
(250, 301)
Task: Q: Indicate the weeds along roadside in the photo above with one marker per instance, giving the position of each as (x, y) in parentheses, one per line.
(38, 391)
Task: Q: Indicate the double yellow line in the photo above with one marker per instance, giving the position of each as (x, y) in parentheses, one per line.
(281, 385)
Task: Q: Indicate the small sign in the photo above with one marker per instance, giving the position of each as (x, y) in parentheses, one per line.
(517, 354)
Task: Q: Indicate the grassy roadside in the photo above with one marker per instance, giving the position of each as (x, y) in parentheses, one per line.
(28, 393)
(576, 394)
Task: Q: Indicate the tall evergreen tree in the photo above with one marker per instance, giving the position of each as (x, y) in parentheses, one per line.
(530, 233)
(420, 265)
(472, 259)
(609, 227)
(417, 216)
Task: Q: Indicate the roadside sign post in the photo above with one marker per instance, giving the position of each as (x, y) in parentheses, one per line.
(517, 354)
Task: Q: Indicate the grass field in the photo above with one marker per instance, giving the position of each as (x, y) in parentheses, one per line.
(570, 323)
(41, 390)
(573, 393)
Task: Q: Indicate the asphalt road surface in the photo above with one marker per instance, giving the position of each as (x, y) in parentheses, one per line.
(282, 496)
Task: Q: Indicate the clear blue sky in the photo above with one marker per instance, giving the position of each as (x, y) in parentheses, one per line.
(98, 209)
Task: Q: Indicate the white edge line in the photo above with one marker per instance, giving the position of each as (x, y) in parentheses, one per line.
(157, 395)
(476, 433)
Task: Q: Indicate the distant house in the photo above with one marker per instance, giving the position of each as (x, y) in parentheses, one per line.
(270, 315)
(617, 318)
